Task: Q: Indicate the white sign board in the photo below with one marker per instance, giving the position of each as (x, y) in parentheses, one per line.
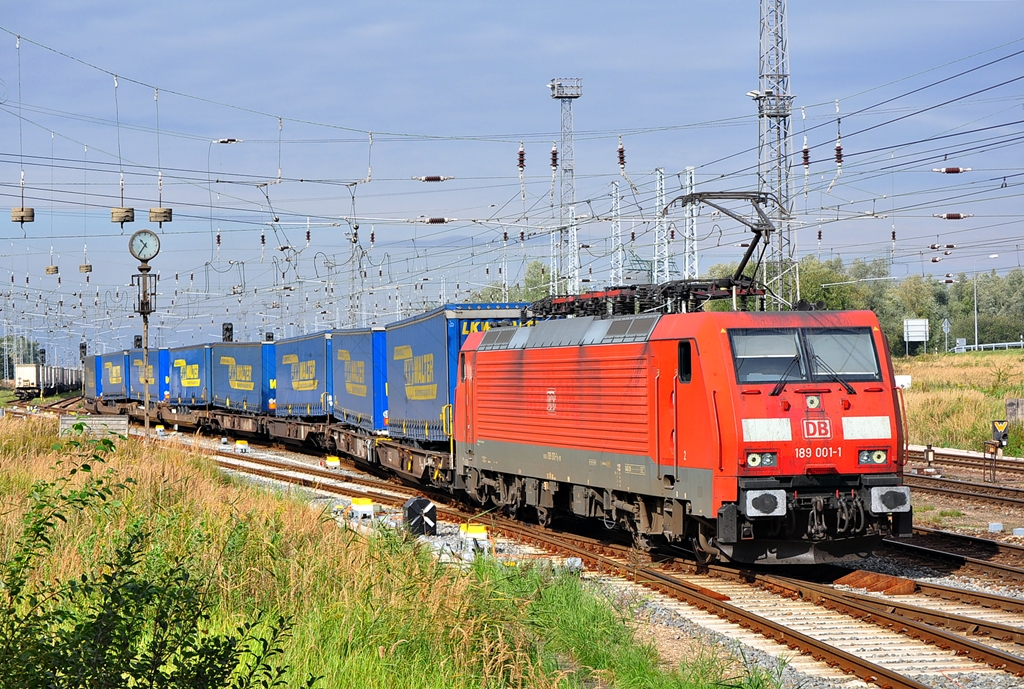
(915, 330)
(903, 382)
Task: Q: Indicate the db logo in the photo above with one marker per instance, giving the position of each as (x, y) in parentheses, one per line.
(817, 429)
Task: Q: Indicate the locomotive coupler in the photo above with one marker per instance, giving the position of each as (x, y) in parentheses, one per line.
(816, 520)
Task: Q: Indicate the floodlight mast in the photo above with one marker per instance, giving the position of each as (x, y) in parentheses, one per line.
(566, 90)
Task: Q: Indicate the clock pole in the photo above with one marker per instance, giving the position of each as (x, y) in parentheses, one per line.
(147, 291)
(145, 245)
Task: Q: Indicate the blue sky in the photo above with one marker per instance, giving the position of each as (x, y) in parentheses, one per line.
(451, 89)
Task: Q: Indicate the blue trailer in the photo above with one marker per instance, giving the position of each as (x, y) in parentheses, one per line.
(304, 382)
(90, 381)
(189, 375)
(422, 360)
(114, 376)
(157, 375)
(360, 377)
(237, 379)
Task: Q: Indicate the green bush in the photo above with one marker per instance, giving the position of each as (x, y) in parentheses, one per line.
(132, 621)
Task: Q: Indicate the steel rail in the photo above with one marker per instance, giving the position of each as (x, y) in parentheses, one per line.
(876, 613)
(966, 489)
(968, 459)
(995, 569)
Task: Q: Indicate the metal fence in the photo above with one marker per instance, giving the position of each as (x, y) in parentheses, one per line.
(991, 346)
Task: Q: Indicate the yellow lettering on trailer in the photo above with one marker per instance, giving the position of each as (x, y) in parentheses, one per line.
(239, 376)
(112, 373)
(419, 377)
(146, 379)
(187, 373)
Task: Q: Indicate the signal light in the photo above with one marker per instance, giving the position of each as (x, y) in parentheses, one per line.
(137, 343)
(227, 332)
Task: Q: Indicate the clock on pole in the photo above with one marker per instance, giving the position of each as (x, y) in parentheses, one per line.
(144, 245)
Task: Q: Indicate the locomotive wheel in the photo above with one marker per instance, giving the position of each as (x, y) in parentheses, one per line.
(544, 517)
(702, 557)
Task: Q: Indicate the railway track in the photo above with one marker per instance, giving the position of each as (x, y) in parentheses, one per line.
(966, 459)
(959, 552)
(971, 490)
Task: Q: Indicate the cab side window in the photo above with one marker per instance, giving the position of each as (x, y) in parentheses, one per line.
(685, 361)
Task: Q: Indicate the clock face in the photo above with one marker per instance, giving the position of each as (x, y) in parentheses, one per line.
(144, 245)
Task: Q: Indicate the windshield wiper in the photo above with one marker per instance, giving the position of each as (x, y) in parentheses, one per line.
(833, 375)
(777, 390)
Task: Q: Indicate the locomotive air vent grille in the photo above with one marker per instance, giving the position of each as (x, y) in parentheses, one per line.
(636, 329)
(497, 338)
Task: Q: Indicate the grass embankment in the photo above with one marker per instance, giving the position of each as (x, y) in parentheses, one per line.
(954, 398)
(366, 611)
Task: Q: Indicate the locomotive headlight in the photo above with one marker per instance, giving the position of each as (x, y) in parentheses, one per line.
(813, 401)
(762, 459)
(872, 457)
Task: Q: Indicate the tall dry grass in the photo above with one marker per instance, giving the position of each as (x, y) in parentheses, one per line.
(955, 397)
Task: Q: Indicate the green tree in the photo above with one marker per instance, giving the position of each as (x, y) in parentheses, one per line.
(534, 286)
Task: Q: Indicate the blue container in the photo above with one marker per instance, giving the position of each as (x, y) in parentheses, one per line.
(269, 377)
(304, 381)
(360, 377)
(114, 375)
(158, 375)
(189, 375)
(422, 364)
(237, 379)
(90, 382)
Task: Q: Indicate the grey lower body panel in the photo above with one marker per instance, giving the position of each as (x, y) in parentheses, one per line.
(605, 470)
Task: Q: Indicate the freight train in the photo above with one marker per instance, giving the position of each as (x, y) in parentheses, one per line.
(746, 436)
(40, 380)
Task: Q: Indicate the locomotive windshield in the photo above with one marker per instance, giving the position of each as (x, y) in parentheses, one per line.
(770, 355)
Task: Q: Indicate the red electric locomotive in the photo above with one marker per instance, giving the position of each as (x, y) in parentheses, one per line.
(757, 437)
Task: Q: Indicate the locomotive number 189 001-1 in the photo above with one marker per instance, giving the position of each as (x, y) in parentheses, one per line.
(818, 452)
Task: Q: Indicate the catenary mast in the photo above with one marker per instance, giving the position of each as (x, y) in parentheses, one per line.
(774, 108)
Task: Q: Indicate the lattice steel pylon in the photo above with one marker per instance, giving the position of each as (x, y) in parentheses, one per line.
(774, 108)
(691, 268)
(662, 250)
(566, 90)
(618, 253)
